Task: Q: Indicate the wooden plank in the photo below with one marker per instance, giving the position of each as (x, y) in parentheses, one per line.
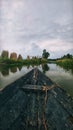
(37, 87)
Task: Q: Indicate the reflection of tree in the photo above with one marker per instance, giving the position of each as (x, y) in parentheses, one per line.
(13, 69)
(28, 66)
(33, 65)
(19, 67)
(5, 71)
(72, 70)
(45, 68)
(68, 68)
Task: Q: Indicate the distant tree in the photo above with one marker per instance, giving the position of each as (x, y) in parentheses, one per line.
(4, 54)
(20, 57)
(28, 57)
(33, 57)
(13, 56)
(67, 56)
(45, 54)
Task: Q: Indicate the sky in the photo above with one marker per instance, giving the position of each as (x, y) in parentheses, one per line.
(29, 26)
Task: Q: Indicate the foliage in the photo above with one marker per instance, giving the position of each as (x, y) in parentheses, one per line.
(11, 62)
(67, 56)
(45, 54)
(4, 54)
(65, 63)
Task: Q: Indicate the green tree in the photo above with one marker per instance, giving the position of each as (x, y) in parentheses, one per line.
(19, 57)
(4, 54)
(69, 55)
(45, 54)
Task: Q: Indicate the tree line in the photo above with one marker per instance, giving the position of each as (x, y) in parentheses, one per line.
(13, 55)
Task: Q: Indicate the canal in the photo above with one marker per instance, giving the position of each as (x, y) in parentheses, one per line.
(59, 75)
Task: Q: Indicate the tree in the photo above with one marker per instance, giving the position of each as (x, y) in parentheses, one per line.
(4, 54)
(13, 56)
(20, 57)
(28, 57)
(69, 55)
(45, 54)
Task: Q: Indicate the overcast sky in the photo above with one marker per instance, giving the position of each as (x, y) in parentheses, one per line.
(29, 26)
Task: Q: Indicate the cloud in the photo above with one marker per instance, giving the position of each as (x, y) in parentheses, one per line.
(48, 24)
(35, 50)
(55, 45)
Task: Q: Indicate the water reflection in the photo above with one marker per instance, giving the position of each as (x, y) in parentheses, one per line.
(45, 68)
(19, 67)
(5, 72)
(67, 68)
(64, 77)
(13, 69)
(28, 66)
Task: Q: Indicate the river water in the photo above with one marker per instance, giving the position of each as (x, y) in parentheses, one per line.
(59, 75)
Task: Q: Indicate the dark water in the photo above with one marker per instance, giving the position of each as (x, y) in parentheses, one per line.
(59, 75)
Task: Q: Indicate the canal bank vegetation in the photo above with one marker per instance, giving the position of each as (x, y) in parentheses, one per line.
(66, 62)
(10, 62)
(14, 59)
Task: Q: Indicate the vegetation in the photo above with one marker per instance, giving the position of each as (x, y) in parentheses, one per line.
(4, 54)
(14, 60)
(45, 54)
(66, 62)
(9, 62)
(68, 56)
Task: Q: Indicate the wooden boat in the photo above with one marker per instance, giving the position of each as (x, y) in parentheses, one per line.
(35, 102)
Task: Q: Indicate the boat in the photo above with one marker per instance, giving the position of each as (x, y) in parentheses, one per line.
(35, 102)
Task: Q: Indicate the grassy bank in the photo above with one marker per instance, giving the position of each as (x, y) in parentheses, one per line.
(65, 63)
(9, 62)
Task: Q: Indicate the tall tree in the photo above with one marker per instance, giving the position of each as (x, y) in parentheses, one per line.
(13, 56)
(45, 54)
(20, 57)
(5, 54)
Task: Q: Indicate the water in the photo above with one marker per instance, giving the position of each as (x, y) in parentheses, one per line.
(62, 77)
(57, 74)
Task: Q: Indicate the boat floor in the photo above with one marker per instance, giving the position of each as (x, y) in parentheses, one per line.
(35, 102)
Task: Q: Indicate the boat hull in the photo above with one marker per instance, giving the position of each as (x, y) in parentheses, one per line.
(35, 102)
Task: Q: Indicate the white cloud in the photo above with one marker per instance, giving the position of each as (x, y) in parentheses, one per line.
(55, 45)
(47, 24)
